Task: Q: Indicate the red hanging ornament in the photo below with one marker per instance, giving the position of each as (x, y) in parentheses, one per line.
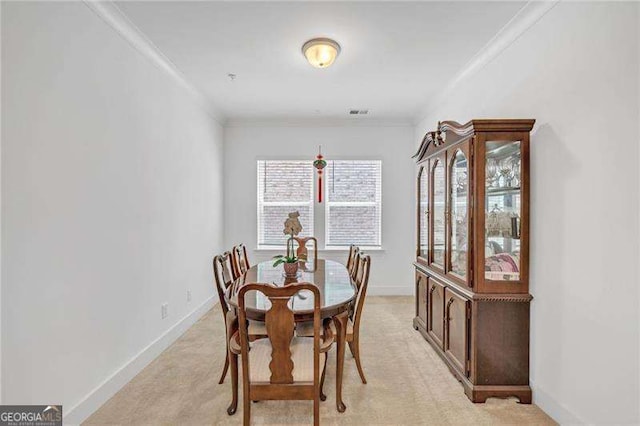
(319, 164)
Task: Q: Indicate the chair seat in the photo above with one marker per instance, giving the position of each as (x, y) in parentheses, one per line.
(305, 329)
(301, 355)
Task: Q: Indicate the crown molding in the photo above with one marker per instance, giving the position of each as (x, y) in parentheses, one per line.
(526, 17)
(110, 13)
(318, 122)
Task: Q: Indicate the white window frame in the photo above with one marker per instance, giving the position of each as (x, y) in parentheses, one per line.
(261, 203)
(319, 214)
(328, 204)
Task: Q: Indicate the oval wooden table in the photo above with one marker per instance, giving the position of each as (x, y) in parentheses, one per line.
(337, 293)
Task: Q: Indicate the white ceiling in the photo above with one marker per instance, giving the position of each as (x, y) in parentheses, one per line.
(395, 55)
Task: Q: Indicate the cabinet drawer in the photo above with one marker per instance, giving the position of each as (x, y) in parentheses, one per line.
(422, 286)
(435, 311)
(456, 325)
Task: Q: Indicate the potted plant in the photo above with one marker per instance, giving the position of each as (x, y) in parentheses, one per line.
(292, 227)
(290, 264)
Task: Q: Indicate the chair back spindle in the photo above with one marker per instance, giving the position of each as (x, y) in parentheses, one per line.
(240, 259)
(223, 273)
(362, 282)
(352, 251)
(355, 265)
(280, 326)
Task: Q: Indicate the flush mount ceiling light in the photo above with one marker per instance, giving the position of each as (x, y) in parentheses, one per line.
(321, 52)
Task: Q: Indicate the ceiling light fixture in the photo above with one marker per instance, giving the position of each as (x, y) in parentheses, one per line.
(321, 52)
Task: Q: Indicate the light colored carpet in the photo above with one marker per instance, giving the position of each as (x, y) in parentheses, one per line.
(408, 383)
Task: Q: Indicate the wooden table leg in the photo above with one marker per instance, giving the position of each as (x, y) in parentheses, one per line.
(340, 322)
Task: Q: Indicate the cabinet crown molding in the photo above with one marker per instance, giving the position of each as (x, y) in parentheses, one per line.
(450, 128)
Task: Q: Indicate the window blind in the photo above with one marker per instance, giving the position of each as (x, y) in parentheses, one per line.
(283, 187)
(354, 203)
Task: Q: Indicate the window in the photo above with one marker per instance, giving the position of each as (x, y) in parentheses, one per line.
(283, 187)
(354, 203)
(352, 213)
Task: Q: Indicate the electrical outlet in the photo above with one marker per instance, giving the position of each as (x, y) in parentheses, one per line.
(164, 310)
(188, 295)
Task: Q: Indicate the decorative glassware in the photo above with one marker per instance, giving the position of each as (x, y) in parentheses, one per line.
(491, 172)
(506, 172)
(515, 170)
(439, 213)
(461, 180)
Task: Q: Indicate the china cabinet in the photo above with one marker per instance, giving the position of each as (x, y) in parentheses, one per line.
(472, 256)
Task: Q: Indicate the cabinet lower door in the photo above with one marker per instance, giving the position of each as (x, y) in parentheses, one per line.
(435, 311)
(456, 323)
(422, 283)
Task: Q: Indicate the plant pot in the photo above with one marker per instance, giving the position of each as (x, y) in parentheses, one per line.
(291, 269)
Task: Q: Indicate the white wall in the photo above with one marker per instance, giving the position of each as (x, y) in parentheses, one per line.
(111, 206)
(391, 271)
(576, 72)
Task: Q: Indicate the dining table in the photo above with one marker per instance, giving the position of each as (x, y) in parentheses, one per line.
(337, 295)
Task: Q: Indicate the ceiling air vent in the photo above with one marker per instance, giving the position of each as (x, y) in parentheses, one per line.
(358, 112)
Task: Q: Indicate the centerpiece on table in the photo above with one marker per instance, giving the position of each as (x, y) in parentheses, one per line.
(292, 227)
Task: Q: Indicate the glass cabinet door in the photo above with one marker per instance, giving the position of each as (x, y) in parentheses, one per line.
(503, 210)
(458, 216)
(423, 212)
(438, 208)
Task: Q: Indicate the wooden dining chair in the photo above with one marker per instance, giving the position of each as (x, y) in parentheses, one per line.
(223, 272)
(353, 325)
(224, 278)
(361, 281)
(240, 259)
(282, 366)
(302, 252)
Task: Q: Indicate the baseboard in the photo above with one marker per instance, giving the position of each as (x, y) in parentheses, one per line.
(553, 408)
(375, 290)
(101, 394)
